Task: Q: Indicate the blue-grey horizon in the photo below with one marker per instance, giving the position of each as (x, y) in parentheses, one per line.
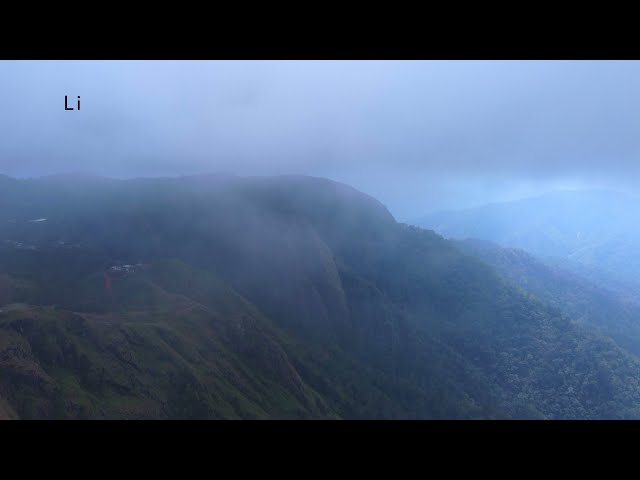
(418, 135)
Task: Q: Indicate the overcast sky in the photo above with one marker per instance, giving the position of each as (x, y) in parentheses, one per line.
(420, 136)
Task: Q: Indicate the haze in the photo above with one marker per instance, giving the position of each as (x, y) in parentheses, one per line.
(420, 136)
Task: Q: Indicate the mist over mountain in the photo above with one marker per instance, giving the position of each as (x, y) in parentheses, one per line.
(418, 135)
(274, 297)
(289, 286)
(595, 232)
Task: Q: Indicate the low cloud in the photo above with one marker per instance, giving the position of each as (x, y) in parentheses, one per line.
(419, 135)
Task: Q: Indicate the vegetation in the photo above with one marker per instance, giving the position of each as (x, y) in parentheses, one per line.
(285, 297)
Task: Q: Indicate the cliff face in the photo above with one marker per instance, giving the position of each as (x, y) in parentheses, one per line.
(285, 297)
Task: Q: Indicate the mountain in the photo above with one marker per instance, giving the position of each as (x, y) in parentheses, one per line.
(577, 297)
(593, 232)
(273, 297)
(163, 354)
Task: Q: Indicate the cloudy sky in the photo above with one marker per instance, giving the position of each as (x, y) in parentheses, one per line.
(420, 136)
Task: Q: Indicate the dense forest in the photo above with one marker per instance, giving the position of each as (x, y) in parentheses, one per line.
(287, 297)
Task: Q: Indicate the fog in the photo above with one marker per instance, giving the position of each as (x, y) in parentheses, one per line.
(420, 136)
(261, 294)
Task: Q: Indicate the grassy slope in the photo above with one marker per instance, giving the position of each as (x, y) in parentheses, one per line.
(162, 354)
(382, 320)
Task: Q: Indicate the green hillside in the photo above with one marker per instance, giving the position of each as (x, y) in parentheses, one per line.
(282, 297)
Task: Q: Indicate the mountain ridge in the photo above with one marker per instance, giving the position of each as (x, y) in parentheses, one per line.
(596, 230)
(354, 314)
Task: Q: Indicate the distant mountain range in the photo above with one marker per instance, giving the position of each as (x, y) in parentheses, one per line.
(595, 232)
(290, 297)
(557, 285)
